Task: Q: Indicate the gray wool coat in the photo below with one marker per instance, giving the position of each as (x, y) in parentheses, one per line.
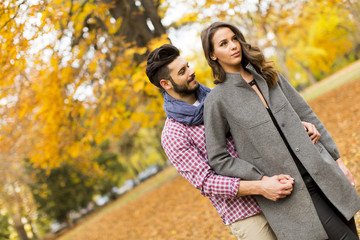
(234, 107)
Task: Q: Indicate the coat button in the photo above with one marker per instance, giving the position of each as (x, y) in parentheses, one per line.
(283, 124)
(297, 149)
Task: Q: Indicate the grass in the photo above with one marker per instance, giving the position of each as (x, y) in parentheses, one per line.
(347, 74)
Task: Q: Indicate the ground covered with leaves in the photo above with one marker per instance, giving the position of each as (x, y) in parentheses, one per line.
(175, 210)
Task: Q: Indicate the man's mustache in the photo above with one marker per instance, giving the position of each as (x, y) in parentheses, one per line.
(191, 79)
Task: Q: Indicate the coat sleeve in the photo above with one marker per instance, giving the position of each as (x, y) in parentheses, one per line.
(306, 114)
(216, 129)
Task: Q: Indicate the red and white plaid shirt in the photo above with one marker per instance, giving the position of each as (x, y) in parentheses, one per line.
(185, 147)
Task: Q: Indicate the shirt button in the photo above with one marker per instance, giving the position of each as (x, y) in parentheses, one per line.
(297, 149)
(283, 124)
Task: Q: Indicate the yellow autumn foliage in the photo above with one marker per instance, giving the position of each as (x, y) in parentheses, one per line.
(70, 79)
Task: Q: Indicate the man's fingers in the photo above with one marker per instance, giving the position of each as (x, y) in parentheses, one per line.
(287, 183)
(284, 195)
(288, 190)
(284, 177)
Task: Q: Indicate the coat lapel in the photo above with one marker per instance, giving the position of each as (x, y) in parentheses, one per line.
(261, 83)
(249, 107)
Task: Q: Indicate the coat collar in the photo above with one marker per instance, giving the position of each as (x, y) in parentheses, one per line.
(237, 80)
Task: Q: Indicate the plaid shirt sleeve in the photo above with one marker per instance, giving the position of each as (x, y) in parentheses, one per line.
(192, 164)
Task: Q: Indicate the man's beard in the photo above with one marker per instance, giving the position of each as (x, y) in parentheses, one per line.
(183, 89)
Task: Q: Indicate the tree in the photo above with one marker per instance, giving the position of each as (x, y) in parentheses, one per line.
(106, 58)
(15, 101)
(113, 169)
(62, 190)
(46, 105)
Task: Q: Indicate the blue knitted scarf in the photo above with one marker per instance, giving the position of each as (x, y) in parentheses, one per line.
(184, 112)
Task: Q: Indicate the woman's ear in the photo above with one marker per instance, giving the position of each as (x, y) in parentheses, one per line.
(165, 84)
(213, 57)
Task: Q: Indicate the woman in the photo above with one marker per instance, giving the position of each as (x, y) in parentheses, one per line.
(263, 113)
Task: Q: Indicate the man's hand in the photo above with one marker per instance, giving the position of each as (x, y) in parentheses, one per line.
(276, 187)
(312, 131)
(346, 171)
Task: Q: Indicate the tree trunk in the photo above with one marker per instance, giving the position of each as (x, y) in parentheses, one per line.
(134, 26)
(19, 227)
(281, 59)
(32, 230)
(309, 74)
(281, 55)
(151, 12)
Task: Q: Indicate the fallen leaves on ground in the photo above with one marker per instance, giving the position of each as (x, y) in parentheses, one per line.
(176, 210)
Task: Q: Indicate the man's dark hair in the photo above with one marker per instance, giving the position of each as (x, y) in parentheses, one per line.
(157, 62)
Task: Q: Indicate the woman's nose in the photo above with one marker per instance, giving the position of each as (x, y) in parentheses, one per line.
(233, 45)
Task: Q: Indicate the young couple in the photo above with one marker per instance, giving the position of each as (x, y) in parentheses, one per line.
(269, 166)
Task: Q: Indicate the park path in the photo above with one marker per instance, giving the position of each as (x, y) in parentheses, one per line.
(177, 211)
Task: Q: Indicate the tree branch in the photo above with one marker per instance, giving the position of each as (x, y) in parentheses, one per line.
(13, 18)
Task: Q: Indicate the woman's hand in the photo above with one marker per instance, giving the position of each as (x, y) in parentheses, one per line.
(346, 171)
(312, 131)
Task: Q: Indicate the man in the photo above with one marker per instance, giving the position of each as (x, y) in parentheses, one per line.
(183, 140)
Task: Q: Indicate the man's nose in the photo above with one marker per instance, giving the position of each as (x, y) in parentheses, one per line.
(192, 72)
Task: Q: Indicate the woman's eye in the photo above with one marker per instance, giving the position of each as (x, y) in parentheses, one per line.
(222, 44)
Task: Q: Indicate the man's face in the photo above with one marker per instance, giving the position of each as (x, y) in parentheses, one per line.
(182, 77)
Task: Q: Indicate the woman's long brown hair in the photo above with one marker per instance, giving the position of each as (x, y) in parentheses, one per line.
(250, 54)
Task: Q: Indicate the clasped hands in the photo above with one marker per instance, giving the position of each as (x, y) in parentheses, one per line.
(276, 187)
(281, 186)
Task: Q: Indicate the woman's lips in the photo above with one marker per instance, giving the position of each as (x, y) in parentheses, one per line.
(237, 54)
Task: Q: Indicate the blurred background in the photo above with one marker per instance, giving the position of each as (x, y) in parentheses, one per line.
(80, 124)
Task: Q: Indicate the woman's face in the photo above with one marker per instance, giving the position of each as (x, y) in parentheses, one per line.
(227, 50)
